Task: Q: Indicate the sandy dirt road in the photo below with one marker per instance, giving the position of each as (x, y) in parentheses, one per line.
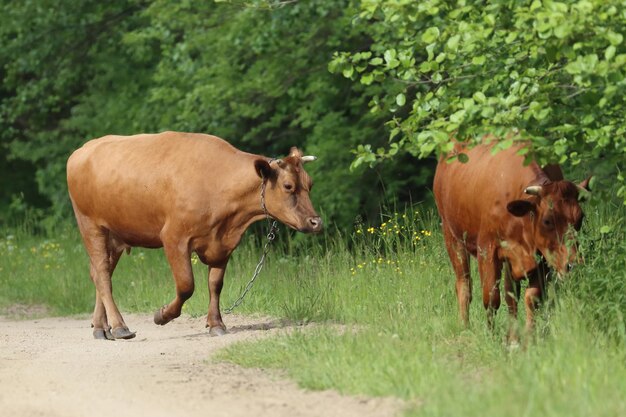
(53, 367)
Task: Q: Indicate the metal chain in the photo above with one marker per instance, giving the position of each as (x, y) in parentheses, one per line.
(271, 235)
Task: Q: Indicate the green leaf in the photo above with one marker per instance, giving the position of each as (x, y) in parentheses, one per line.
(614, 38)
(606, 229)
(430, 35)
(430, 50)
(367, 79)
(479, 97)
(390, 58)
(562, 31)
(400, 99)
(574, 68)
(453, 43)
(479, 60)
(609, 52)
(390, 54)
(458, 116)
(490, 19)
(487, 112)
(510, 38)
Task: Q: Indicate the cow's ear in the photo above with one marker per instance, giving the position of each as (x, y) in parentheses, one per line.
(584, 189)
(295, 152)
(585, 184)
(520, 208)
(263, 168)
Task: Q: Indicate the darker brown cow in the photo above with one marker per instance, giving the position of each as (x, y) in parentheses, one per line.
(184, 192)
(504, 214)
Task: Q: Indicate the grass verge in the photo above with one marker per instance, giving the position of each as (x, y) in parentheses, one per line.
(392, 283)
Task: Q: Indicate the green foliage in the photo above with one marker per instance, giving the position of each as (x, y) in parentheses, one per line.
(52, 54)
(549, 72)
(256, 72)
(252, 72)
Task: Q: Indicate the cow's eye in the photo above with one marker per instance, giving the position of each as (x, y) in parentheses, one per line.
(579, 223)
(288, 186)
(547, 223)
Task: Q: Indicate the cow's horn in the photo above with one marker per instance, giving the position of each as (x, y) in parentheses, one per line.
(533, 190)
(308, 158)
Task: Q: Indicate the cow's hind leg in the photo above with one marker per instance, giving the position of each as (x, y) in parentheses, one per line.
(99, 322)
(102, 330)
(97, 244)
(460, 263)
(179, 258)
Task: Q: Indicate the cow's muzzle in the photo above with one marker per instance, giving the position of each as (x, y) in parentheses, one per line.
(314, 225)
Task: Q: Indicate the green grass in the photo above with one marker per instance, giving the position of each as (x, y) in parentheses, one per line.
(391, 291)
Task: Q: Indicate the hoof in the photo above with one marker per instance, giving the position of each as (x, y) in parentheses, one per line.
(217, 331)
(513, 346)
(158, 317)
(122, 333)
(101, 334)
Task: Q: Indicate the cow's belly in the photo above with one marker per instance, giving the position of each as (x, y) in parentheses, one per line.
(137, 239)
(132, 227)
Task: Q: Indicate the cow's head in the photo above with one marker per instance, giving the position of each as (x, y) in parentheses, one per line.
(555, 216)
(287, 191)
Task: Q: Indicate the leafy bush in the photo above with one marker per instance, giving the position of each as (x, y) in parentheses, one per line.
(554, 72)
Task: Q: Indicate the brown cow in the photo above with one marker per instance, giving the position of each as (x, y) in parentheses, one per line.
(184, 192)
(504, 214)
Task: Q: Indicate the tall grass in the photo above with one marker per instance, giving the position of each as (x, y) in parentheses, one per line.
(391, 287)
(407, 342)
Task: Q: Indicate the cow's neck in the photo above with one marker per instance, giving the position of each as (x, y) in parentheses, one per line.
(246, 209)
(226, 227)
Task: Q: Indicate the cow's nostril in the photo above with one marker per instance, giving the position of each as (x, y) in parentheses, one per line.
(315, 222)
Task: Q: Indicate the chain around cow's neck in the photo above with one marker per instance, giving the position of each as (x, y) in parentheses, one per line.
(271, 235)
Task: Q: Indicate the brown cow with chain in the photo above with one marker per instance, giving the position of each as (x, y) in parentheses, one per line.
(185, 192)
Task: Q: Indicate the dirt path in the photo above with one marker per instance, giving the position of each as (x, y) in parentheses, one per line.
(52, 367)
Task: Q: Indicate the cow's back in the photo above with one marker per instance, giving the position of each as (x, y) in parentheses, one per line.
(472, 197)
(135, 183)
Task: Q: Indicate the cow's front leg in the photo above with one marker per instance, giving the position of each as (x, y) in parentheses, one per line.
(214, 318)
(490, 269)
(511, 296)
(179, 259)
(460, 263)
(534, 295)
